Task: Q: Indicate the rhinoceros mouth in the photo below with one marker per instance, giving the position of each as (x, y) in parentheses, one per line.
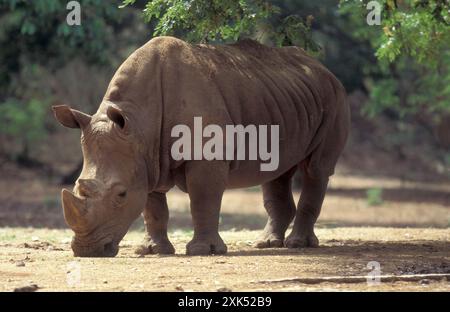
(106, 248)
(110, 249)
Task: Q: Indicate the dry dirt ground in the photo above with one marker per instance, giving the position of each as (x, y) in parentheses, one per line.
(408, 233)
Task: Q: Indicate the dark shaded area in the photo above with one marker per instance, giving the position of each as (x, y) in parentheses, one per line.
(35, 215)
(48, 212)
(73, 175)
(397, 195)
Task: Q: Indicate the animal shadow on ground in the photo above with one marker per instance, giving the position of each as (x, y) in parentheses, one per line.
(352, 249)
(412, 257)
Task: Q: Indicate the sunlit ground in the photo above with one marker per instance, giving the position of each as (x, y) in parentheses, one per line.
(405, 228)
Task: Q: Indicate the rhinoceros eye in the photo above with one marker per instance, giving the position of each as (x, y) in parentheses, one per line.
(119, 192)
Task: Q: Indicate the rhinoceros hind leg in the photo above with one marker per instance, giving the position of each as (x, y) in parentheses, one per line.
(156, 217)
(280, 207)
(309, 206)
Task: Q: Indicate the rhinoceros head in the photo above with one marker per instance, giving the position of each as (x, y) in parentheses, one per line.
(112, 190)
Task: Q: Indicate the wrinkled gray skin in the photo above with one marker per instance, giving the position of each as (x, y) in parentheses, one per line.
(126, 144)
(112, 188)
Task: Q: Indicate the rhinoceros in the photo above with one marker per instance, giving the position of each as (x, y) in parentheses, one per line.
(128, 167)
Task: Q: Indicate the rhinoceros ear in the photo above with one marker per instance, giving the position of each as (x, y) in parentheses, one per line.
(116, 116)
(70, 118)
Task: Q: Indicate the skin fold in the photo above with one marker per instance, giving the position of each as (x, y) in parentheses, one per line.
(128, 168)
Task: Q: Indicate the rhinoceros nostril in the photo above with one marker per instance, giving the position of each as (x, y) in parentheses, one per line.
(88, 187)
(83, 193)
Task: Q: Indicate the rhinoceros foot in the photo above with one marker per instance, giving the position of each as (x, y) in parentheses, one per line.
(301, 240)
(270, 240)
(152, 246)
(206, 246)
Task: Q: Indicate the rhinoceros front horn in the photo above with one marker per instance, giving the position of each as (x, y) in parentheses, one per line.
(74, 207)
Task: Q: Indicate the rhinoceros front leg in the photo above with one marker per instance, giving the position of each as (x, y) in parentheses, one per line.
(205, 183)
(156, 217)
(280, 207)
(308, 210)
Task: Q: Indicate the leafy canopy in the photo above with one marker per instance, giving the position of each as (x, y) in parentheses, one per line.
(202, 21)
(411, 44)
(35, 39)
(415, 28)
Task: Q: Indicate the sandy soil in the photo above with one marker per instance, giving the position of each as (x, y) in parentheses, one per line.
(408, 233)
(44, 258)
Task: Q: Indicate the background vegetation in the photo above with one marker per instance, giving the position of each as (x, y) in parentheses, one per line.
(397, 74)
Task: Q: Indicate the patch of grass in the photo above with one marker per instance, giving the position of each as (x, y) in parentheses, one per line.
(183, 232)
(254, 189)
(374, 196)
(27, 234)
(7, 237)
